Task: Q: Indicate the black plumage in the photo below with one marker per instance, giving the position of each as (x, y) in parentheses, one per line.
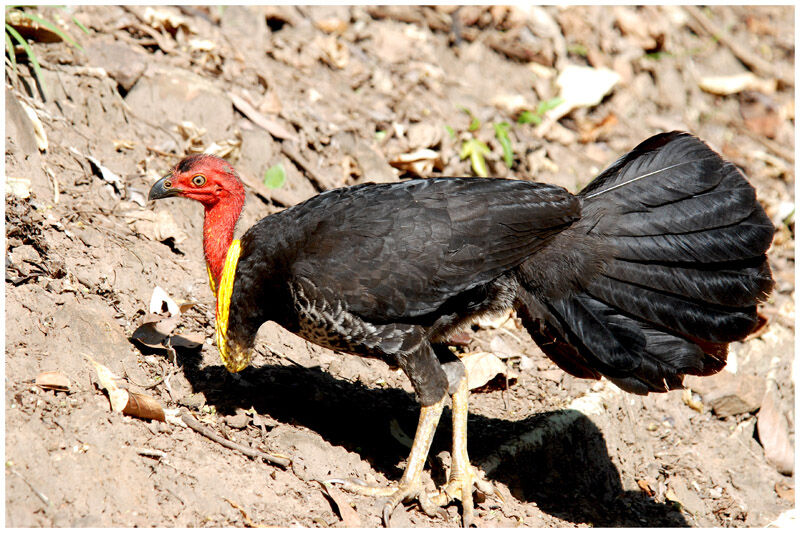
(643, 277)
(661, 253)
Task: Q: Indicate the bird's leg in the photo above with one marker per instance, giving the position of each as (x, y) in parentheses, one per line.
(410, 485)
(463, 477)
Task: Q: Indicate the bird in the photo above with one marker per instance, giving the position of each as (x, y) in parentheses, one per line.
(644, 276)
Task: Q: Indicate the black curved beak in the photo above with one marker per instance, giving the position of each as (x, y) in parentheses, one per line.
(163, 189)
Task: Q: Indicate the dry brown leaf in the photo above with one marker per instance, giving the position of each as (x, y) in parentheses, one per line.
(38, 128)
(773, 431)
(483, 367)
(53, 381)
(421, 162)
(19, 187)
(160, 302)
(725, 85)
(331, 25)
(645, 486)
(334, 52)
(154, 333)
(107, 380)
(143, 406)
(188, 340)
(342, 503)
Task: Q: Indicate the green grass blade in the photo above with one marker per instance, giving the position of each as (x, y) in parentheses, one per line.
(52, 27)
(37, 70)
(11, 54)
(501, 132)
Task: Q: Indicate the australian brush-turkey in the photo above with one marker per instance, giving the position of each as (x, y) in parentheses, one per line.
(642, 277)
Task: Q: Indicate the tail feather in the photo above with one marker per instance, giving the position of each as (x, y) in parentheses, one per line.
(736, 284)
(743, 240)
(685, 272)
(687, 317)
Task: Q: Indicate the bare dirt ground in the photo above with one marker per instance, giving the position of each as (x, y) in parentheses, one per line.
(334, 95)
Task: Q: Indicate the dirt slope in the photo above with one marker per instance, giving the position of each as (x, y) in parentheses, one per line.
(334, 95)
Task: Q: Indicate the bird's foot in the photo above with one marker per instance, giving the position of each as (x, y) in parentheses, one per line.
(403, 492)
(460, 486)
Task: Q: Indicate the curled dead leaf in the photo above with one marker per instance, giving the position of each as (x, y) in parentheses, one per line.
(53, 381)
(342, 505)
(153, 333)
(484, 367)
(38, 128)
(188, 340)
(334, 52)
(143, 406)
(160, 302)
(420, 162)
(725, 85)
(331, 25)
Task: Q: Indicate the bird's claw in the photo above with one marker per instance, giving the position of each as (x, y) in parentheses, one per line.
(460, 486)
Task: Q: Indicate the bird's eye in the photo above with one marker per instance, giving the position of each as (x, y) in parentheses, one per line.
(199, 180)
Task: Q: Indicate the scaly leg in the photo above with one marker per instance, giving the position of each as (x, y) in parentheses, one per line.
(463, 477)
(410, 485)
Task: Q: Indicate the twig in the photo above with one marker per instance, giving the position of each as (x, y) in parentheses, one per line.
(192, 422)
(147, 452)
(751, 60)
(160, 152)
(247, 520)
(40, 495)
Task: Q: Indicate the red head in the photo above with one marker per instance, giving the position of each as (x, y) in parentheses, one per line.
(215, 184)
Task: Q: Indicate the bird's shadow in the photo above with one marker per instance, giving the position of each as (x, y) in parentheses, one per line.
(571, 476)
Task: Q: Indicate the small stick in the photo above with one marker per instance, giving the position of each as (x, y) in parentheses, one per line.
(192, 422)
(41, 496)
(147, 452)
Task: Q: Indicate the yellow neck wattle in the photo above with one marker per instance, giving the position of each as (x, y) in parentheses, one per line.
(234, 358)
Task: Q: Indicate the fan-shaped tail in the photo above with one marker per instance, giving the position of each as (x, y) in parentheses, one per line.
(685, 241)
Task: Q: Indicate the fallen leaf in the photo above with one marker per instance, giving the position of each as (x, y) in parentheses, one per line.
(421, 162)
(580, 87)
(160, 302)
(107, 381)
(784, 490)
(38, 128)
(773, 432)
(53, 381)
(483, 367)
(187, 340)
(645, 486)
(331, 25)
(342, 505)
(143, 406)
(397, 432)
(424, 135)
(19, 187)
(166, 19)
(747, 81)
(107, 175)
(154, 333)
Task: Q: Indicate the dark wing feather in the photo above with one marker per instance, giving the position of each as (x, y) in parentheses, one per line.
(398, 251)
